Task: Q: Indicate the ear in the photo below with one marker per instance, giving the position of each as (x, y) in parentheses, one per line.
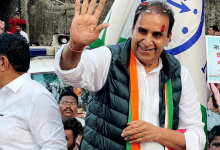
(209, 146)
(168, 39)
(4, 63)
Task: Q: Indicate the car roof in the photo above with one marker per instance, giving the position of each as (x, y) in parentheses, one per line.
(42, 64)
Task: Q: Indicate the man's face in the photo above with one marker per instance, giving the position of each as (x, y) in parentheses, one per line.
(68, 107)
(18, 28)
(211, 31)
(69, 137)
(148, 37)
(215, 145)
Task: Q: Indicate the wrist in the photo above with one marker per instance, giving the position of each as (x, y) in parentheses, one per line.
(158, 134)
(76, 47)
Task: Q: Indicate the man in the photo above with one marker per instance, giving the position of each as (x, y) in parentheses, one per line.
(16, 20)
(68, 105)
(214, 138)
(212, 30)
(217, 33)
(35, 43)
(19, 28)
(138, 69)
(29, 115)
(2, 27)
(72, 128)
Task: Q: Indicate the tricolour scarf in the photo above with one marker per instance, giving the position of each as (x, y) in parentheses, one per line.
(134, 101)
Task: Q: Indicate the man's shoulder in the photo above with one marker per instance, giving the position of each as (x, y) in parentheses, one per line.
(36, 88)
(38, 93)
(118, 47)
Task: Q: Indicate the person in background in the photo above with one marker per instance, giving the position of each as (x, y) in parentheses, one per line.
(16, 20)
(213, 105)
(72, 128)
(35, 43)
(214, 138)
(68, 105)
(212, 30)
(19, 28)
(51, 43)
(217, 33)
(2, 26)
(29, 114)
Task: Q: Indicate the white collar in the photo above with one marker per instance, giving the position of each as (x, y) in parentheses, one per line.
(158, 68)
(16, 84)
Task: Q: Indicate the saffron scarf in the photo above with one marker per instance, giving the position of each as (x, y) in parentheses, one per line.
(134, 102)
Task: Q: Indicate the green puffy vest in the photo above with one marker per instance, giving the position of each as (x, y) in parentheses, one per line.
(107, 111)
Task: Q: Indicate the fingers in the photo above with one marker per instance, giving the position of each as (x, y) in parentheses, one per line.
(101, 27)
(77, 8)
(133, 124)
(84, 7)
(131, 131)
(100, 8)
(135, 138)
(91, 7)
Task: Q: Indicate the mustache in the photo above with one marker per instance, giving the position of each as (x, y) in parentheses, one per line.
(68, 109)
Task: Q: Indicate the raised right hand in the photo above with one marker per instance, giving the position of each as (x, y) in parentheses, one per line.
(84, 29)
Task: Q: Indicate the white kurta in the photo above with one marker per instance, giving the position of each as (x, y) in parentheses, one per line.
(24, 34)
(91, 73)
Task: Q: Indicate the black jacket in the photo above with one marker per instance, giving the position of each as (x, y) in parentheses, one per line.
(107, 111)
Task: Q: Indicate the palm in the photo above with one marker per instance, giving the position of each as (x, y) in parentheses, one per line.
(84, 29)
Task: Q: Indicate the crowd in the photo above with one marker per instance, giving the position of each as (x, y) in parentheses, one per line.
(141, 97)
(17, 26)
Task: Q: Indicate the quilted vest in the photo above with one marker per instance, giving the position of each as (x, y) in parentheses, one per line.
(107, 110)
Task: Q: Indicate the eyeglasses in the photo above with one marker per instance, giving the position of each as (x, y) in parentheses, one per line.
(70, 103)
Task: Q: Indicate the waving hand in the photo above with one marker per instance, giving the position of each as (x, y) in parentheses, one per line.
(84, 29)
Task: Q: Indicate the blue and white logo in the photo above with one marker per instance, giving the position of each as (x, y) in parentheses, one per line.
(189, 21)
